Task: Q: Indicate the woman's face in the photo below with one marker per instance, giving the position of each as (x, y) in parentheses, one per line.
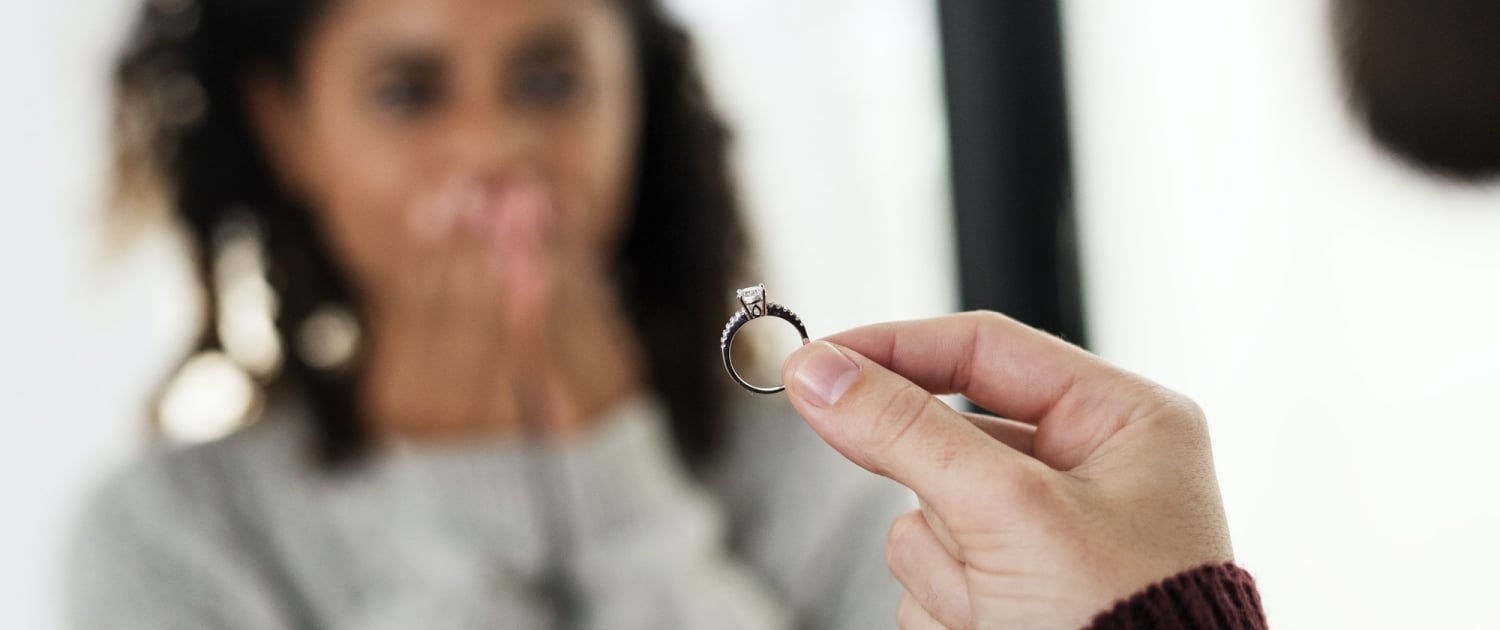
(439, 126)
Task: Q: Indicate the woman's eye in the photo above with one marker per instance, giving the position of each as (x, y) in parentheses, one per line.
(406, 96)
(553, 86)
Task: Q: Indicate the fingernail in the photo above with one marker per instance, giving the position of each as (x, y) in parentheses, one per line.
(824, 374)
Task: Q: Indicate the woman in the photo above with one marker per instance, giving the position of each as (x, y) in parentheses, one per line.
(524, 206)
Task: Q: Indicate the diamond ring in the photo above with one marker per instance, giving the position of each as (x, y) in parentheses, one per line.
(753, 305)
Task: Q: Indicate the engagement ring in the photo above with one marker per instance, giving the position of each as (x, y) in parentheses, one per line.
(753, 305)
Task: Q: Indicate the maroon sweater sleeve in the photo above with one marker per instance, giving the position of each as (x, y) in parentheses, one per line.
(1212, 597)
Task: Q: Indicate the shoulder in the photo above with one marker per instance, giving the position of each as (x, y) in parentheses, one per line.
(164, 483)
(185, 483)
(159, 539)
(170, 502)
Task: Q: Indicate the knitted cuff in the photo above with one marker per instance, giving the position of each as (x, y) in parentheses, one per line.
(1210, 597)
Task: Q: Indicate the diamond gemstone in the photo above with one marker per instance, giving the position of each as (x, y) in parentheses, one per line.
(752, 294)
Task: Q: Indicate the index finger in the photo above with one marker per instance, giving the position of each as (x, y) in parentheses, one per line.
(892, 427)
(1076, 399)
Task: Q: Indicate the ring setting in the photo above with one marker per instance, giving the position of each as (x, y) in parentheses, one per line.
(754, 305)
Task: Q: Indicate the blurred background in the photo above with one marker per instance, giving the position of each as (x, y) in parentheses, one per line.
(1176, 184)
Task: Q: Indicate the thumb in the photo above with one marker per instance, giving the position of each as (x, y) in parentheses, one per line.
(890, 426)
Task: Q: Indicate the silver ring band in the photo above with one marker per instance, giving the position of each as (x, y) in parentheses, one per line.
(753, 305)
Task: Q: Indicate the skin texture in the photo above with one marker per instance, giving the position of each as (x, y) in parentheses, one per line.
(470, 163)
(1097, 485)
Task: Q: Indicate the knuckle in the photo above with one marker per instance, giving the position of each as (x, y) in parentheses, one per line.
(984, 320)
(1032, 491)
(983, 316)
(1191, 415)
(1178, 413)
(902, 411)
(1189, 409)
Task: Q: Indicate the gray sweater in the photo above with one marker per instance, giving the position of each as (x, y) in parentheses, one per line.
(606, 532)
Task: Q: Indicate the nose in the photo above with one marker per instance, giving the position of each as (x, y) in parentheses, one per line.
(487, 143)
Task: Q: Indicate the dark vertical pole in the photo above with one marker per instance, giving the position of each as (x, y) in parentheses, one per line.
(1012, 172)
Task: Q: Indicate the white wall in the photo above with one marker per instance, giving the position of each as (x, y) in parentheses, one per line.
(82, 336)
(1336, 315)
(842, 144)
(839, 112)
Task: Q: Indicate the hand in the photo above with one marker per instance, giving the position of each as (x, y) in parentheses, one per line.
(496, 320)
(1097, 485)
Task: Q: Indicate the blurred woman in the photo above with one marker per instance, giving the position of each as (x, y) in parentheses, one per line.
(523, 206)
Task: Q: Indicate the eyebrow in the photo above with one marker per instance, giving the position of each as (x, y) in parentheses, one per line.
(558, 39)
(406, 59)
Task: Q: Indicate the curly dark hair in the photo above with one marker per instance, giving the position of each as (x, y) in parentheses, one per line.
(183, 136)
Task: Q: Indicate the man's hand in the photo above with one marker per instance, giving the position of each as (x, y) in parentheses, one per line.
(1096, 483)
